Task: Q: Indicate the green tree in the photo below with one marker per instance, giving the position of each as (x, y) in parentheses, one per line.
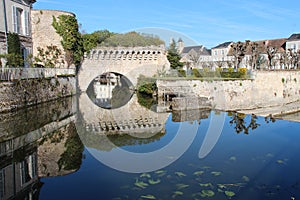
(131, 39)
(67, 27)
(173, 56)
(90, 41)
(14, 56)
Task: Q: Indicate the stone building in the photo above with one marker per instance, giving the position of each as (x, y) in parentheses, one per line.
(193, 56)
(44, 34)
(15, 18)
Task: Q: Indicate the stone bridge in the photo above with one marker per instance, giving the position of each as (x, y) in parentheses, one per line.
(130, 62)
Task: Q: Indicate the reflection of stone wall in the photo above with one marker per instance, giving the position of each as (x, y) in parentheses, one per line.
(19, 93)
(53, 149)
(13, 124)
(268, 88)
(131, 114)
(131, 119)
(190, 115)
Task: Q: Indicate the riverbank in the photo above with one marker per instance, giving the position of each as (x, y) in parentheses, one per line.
(20, 91)
(266, 89)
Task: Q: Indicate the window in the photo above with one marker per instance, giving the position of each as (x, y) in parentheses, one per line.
(21, 21)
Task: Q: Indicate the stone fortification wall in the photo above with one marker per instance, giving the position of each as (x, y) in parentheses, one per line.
(267, 88)
(19, 93)
(129, 61)
(43, 33)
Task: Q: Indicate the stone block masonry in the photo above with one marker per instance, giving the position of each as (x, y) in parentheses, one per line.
(20, 93)
(266, 89)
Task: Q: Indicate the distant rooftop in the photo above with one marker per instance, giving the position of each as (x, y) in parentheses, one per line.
(199, 49)
(223, 45)
(294, 37)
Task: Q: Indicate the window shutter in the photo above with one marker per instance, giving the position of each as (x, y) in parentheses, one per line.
(26, 13)
(14, 19)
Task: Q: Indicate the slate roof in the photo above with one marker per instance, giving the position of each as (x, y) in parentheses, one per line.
(223, 45)
(199, 49)
(294, 37)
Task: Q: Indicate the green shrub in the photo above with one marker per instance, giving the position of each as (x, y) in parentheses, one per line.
(147, 89)
(196, 73)
(182, 73)
(242, 71)
(230, 69)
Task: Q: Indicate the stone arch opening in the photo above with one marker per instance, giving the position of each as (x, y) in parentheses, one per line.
(110, 90)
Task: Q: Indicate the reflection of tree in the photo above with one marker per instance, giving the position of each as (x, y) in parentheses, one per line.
(270, 118)
(121, 94)
(71, 159)
(238, 120)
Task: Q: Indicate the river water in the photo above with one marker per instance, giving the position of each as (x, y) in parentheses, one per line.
(54, 151)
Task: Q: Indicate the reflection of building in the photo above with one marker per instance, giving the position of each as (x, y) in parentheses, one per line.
(104, 85)
(18, 179)
(23, 140)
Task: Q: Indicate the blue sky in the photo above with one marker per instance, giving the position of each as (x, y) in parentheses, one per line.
(208, 23)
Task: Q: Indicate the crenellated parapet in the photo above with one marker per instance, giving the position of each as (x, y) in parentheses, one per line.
(128, 61)
(139, 54)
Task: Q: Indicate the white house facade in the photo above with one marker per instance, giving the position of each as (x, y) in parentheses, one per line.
(15, 18)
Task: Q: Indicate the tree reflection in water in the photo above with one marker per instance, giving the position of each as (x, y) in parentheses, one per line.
(240, 122)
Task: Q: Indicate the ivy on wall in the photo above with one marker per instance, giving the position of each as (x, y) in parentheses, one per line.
(67, 27)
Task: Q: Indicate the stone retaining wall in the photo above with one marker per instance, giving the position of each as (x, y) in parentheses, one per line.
(267, 88)
(20, 93)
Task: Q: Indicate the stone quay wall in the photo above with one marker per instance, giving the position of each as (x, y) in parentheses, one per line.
(20, 93)
(265, 89)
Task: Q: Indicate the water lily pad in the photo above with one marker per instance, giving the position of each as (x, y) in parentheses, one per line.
(246, 178)
(232, 158)
(154, 182)
(181, 186)
(177, 193)
(216, 173)
(145, 175)
(160, 171)
(229, 194)
(207, 193)
(219, 190)
(205, 184)
(198, 173)
(280, 161)
(149, 196)
(222, 186)
(180, 174)
(140, 184)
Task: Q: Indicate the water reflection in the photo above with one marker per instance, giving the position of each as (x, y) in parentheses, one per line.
(262, 166)
(110, 90)
(37, 142)
(244, 123)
